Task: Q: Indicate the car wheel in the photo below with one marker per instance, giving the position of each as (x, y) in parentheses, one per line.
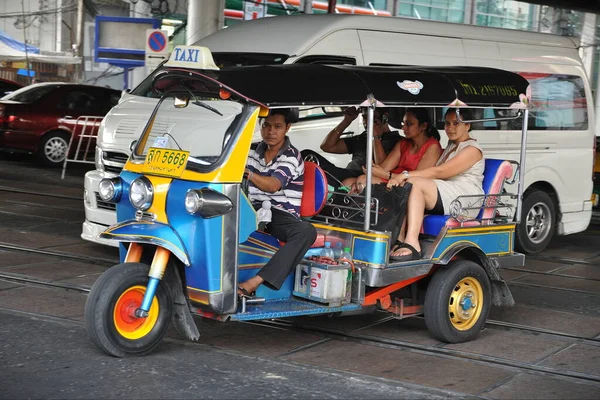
(538, 218)
(53, 148)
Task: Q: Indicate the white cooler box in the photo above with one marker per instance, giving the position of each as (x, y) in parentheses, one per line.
(331, 284)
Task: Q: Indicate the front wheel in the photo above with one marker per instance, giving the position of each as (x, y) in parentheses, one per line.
(536, 228)
(457, 302)
(110, 307)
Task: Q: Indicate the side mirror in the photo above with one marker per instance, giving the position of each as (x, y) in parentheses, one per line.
(132, 145)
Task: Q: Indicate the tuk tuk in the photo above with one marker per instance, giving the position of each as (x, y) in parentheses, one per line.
(189, 234)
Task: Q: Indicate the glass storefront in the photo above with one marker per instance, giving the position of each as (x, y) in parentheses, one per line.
(438, 10)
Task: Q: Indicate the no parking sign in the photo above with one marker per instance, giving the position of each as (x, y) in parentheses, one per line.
(157, 47)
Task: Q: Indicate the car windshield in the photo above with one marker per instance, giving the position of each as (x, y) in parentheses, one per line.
(29, 94)
(196, 116)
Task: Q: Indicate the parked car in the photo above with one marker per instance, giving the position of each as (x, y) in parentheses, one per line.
(7, 86)
(41, 118)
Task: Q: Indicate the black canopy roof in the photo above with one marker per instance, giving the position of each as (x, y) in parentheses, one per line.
(320, 85)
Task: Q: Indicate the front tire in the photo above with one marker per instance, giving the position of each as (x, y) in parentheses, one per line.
(537, 223)
(457, 302)
(109, 308)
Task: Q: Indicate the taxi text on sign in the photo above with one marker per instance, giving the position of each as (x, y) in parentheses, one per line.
(157, 47)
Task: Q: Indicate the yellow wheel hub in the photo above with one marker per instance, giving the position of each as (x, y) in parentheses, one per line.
(126, 323)
(465, 304)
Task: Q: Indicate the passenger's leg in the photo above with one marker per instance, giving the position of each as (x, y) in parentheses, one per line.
(299, 236)
(422, 196)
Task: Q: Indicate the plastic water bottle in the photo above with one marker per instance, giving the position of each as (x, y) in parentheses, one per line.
(346, 256)
(337, 252)
(327, 251)
(264, 215)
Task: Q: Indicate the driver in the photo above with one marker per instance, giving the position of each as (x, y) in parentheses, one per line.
(275, 172)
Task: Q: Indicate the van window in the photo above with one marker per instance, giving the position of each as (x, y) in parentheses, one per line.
(558, 102)
(244, 59)
(329, 60)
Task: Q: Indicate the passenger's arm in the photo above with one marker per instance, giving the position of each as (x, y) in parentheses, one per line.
(379, 153)
(332, 142)
(267, 184)
(464, 160)
(432, 154)
(391, 161)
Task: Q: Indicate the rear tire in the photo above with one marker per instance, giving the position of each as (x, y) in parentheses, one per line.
(109, 308)
(53, 148)
(538, 220)
(457, 302)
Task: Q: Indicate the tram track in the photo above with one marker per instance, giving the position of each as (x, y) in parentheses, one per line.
(41, 194)
(357, 336)
(354, 336)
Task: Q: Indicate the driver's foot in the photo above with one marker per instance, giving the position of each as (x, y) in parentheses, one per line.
(249, 287)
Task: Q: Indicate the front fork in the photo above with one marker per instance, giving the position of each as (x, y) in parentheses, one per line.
(157, 271)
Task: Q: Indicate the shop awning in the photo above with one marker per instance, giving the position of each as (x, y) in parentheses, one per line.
(13, 50)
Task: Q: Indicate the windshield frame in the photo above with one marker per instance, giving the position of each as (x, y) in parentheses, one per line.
(233, 132)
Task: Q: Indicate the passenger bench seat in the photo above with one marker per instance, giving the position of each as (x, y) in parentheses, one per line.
(495, 174)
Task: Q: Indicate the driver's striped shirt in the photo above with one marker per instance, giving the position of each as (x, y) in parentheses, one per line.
(287, 167)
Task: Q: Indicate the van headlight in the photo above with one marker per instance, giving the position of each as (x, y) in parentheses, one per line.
(207, 203)
(110, 189)
(141, 193)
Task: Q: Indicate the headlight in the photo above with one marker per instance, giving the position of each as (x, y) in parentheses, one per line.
(110, 189)
(207, 202)
(141, 193)
(193, 201)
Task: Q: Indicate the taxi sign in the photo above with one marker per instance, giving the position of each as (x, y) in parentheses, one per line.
(195, 57)
(165, 162)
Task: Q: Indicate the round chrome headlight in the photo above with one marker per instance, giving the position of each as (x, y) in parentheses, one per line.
(109, 189)
(141, 193)
(193, 201)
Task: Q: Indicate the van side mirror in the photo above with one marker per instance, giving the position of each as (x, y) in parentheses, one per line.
(132, 145)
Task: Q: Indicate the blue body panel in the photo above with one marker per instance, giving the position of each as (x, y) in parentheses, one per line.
(248, 223)
(289, 308)
(370, 251)
(148, 232)
(491, 243)
(254, 253)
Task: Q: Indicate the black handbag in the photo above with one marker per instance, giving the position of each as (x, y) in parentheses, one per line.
(348, 210)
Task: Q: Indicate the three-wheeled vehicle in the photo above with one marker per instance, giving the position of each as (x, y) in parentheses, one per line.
(188, 232)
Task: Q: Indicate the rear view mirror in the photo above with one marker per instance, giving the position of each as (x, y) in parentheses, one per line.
(181, 102)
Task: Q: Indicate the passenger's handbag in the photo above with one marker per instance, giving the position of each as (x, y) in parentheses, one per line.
(343, 208)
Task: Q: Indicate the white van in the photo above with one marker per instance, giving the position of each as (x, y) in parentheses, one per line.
(559, 170)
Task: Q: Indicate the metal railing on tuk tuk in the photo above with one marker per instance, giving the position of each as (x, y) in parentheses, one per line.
(85, 132)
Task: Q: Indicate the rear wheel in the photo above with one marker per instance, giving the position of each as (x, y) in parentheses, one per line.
(537, 222)
(457, 302)
(110, 307)
(53, 148)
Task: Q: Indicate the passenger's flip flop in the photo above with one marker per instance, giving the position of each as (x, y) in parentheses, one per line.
(415, 255)
(245, 293)
(396, 246)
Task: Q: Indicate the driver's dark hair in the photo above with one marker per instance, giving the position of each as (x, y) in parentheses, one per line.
(422, 115)
(289, 115)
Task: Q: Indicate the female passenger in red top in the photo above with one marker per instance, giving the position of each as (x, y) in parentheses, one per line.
(420, 148)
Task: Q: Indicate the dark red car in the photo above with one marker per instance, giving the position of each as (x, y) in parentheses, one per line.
(41, 118)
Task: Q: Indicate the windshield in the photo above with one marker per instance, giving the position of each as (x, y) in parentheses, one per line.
(196, 116)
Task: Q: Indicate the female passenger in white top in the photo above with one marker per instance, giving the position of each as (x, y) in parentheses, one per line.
(458, 172)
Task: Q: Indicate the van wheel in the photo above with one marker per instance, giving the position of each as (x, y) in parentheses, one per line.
(53, 148)
(457, 302)
(538, 218)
